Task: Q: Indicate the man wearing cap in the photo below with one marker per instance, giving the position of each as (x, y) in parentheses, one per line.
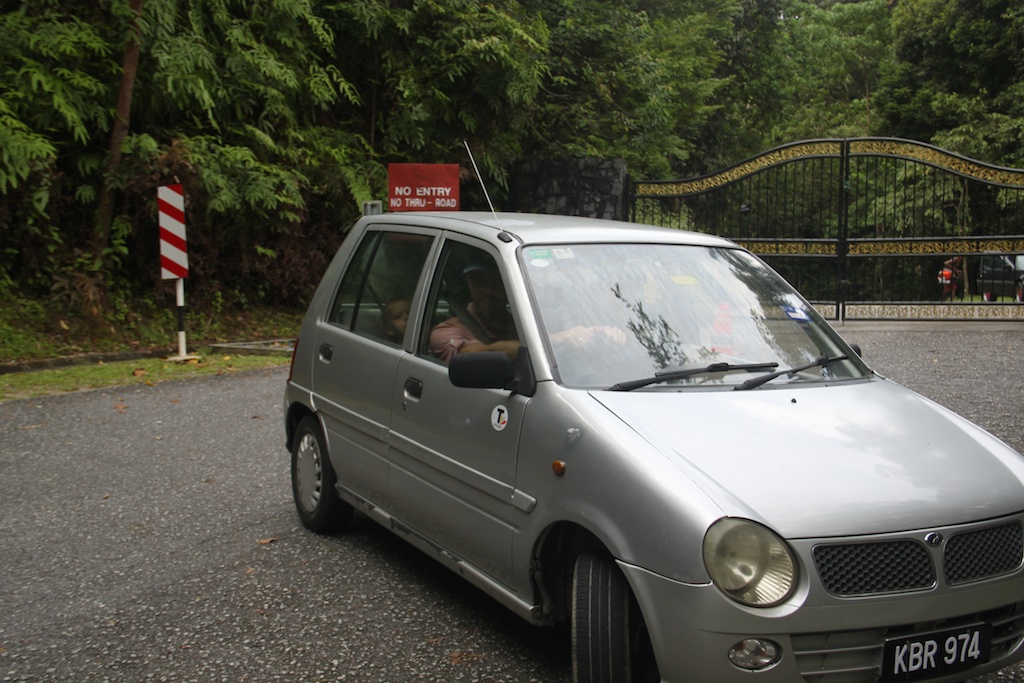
(488, 324)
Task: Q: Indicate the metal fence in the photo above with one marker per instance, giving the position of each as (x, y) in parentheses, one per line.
(861, 226)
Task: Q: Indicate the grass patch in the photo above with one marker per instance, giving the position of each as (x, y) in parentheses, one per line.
(149, 371)
(45, 334)
(33, 330)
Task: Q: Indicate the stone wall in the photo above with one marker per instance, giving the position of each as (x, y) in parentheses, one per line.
(595, 188)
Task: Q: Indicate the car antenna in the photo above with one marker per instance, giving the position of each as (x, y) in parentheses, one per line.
(503, 236)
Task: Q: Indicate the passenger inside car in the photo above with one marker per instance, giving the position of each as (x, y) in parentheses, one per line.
(485, 324)
(396, 318)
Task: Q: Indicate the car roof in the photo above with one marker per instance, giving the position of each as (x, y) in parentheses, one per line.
(535, 228)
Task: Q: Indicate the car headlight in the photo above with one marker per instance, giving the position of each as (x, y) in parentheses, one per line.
(749, 563)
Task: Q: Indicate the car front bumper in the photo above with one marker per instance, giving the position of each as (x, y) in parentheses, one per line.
(693, 628)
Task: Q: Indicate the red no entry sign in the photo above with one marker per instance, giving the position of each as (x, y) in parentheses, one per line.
(423, 187)
(173, 248)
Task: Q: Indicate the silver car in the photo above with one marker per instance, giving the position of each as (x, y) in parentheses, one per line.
(647, 435)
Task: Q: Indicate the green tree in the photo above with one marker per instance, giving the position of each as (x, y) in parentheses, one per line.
(238, 100)
(631, 80)
(280, 116)
(748, 104)
(119, 129)
(957, 76)
(431, 73)
(831, 52)
(54, 74)
(229, 100)
(796, 69)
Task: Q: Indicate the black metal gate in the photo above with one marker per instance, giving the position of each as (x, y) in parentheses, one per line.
(861, 226)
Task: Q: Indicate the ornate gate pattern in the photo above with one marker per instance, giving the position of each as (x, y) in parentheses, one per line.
(861, 226)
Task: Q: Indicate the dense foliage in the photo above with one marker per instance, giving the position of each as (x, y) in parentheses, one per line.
(956, 76)
(279, 117)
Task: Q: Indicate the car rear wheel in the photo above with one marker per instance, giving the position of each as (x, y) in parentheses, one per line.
(609, 639)
(313, 481)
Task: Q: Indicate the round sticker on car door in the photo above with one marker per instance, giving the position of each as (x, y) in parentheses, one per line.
(499, 418)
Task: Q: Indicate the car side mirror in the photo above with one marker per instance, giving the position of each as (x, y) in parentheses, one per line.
(493, 370)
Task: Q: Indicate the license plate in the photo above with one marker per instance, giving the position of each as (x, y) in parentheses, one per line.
(926, 655)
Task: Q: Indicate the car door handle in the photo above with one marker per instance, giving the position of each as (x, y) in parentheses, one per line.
(413, 388)
(326, 351)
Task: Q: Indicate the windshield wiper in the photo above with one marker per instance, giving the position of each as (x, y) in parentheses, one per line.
(820, 361)
(670, 375)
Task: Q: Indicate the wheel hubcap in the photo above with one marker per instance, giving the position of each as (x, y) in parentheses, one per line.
(308, 473)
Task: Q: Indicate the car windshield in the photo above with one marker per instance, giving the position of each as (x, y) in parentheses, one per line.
(657, 316)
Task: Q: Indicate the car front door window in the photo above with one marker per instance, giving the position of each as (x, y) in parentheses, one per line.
(470, 307)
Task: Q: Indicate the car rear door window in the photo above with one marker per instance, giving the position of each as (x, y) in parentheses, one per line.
(375, 294)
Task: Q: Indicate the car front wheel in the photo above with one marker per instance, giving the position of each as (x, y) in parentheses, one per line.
(313, 481)
(609, 640)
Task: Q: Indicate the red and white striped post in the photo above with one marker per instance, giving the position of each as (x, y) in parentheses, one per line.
(174, 250)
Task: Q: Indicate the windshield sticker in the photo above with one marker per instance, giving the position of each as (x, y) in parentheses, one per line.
(684, 279)
(499, 418)
(542, 258)
(796, 313)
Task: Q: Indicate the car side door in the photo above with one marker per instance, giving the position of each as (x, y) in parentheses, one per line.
(358, 346)
(453, 450)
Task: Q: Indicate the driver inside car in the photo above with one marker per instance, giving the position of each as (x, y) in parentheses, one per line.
(486, 324)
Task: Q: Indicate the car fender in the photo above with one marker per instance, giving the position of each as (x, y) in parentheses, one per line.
(614, 484)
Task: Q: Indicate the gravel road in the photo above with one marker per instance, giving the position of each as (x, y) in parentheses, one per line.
(147, 534)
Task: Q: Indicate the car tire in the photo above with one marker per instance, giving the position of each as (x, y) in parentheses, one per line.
(313, 481)
(609, 638)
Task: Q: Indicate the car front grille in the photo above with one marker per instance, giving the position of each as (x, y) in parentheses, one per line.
(868, 568)
(856, 656)
(974, 555)
(892, 566)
